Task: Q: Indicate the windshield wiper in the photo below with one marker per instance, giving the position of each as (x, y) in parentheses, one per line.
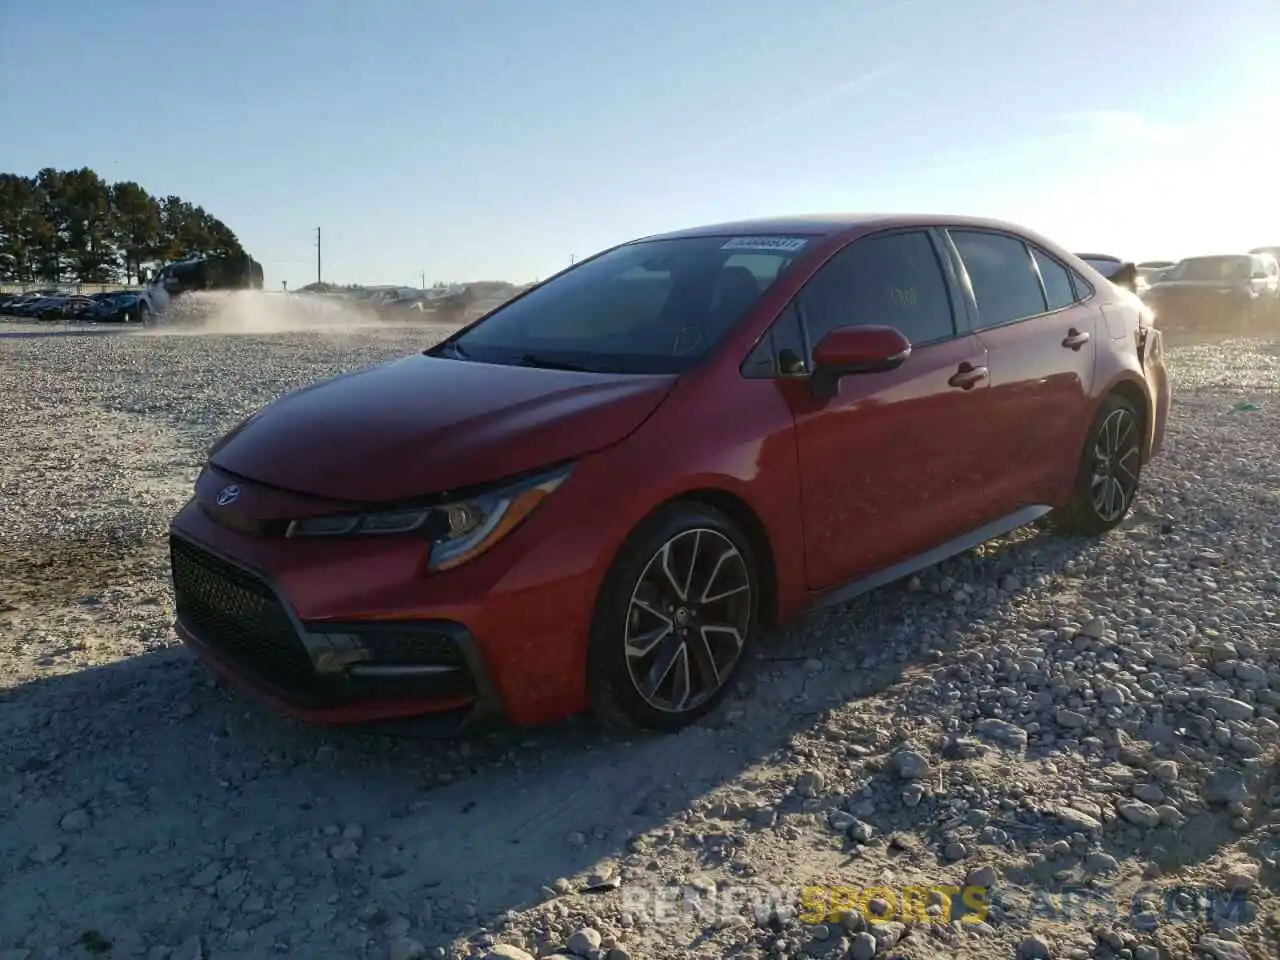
(548, 363)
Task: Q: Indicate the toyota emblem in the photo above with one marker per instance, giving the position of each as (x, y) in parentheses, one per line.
(228, 495)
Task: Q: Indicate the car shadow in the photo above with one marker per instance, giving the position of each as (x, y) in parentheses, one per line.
(179, 776)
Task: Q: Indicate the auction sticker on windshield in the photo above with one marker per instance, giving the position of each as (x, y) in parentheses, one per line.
(782, 244)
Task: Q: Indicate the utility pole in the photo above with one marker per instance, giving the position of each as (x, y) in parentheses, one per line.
(573, 258)
(318, 274)
(424, 279)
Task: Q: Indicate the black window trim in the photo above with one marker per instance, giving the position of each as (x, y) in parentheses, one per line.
(961, 319)
(971, 300)
(767, 343)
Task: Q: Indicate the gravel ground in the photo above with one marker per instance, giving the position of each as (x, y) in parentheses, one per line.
(1086, 730)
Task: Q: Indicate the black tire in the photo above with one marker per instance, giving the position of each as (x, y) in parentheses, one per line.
(626, 603)
(143, 313)
(1106, 484)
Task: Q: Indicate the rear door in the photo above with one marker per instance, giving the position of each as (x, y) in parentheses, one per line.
(1042, 335)
(891, 466)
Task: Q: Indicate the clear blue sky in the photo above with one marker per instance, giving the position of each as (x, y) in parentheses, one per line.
(492, 139)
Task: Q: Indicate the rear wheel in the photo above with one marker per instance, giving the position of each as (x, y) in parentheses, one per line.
(675, 620)
(1110, 466)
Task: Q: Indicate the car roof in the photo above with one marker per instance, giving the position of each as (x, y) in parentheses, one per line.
(830, 224)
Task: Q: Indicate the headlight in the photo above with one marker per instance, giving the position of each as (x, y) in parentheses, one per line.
(458, 531)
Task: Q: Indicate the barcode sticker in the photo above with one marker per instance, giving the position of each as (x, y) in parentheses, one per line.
(778, 244)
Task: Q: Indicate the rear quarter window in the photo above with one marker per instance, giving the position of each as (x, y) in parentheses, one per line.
(1059, 291)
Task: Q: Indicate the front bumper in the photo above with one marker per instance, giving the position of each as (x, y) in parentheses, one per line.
(236, 621)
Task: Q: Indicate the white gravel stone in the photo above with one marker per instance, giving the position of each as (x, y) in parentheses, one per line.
(1155, 644)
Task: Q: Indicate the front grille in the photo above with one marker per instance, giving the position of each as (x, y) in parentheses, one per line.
(1208, 308)
(238, 616)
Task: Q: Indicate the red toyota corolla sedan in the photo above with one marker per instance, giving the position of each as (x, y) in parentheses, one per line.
(600, 493)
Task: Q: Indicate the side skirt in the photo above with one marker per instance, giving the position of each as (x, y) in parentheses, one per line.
(922, 561)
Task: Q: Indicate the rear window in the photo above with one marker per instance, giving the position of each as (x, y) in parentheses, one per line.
(655, 306)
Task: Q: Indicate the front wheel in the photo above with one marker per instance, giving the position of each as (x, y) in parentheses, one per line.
(675, 620)
(144, 314)
(1110, 465)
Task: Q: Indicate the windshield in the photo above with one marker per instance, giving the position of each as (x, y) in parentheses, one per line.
(1213, 269)
(656, 306)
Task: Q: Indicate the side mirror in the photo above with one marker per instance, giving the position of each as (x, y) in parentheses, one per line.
(1127, 277)
(850, 351)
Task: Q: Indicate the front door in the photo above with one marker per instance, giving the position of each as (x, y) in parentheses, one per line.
(889, 468)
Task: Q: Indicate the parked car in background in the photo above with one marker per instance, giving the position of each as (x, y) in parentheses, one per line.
(1152, 271)
(33, 304)
(42, 307)
(599, 493)
(118, 307)
(77, 307)
(1230, 293)
(1120, 272)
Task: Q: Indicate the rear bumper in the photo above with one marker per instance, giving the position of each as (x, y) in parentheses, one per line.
(234, 619)
(1151, 351)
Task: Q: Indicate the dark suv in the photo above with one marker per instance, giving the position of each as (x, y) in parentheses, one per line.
(1231, 293)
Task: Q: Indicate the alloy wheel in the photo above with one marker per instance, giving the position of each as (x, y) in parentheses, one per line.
(1116, 461)
(687, 620)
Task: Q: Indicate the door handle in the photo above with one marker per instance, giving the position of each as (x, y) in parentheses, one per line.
(1075, 339)
(968, 376)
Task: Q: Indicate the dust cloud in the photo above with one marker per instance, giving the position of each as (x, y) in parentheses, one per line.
(254, 312)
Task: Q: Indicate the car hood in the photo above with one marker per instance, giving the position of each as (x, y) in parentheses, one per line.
(426, 425)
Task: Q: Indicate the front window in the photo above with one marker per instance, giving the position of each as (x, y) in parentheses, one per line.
(1214, 269)
(655, 306)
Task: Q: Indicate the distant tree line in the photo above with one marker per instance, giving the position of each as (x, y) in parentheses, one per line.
(71, 225)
